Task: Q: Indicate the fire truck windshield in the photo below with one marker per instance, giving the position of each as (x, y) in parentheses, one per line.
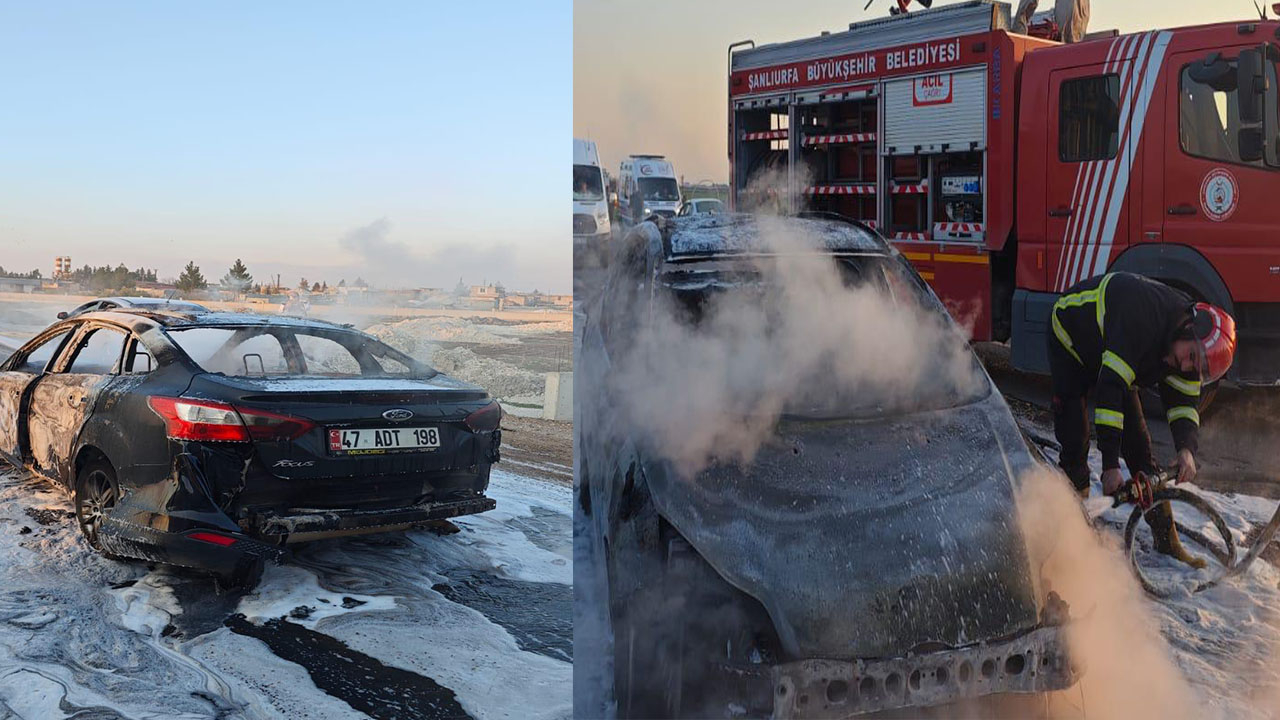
(659, 189)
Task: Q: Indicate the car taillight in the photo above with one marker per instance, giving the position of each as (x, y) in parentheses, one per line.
(199, 420)
(212, 538)
(265, 425)
(214, 421)
(486, 418)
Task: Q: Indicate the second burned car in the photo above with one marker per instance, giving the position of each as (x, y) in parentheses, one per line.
(866, 557)
(214, 440)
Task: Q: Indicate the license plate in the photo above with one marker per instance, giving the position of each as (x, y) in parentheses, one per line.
(374, 441)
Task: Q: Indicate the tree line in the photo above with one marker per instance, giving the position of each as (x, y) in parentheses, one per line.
(238, 279)
(107, 279)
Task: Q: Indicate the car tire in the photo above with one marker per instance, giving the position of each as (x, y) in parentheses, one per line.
(669, 642)
(96, 493)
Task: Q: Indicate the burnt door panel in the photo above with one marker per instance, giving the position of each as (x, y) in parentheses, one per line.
(14, 384)
(63, 399)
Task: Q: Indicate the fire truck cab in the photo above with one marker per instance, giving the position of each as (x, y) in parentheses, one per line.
(1008, 167)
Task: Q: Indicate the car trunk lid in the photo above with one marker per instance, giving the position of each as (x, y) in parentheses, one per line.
(396, 412)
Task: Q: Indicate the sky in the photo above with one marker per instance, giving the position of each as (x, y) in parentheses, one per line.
(650, 77)
(411, 143)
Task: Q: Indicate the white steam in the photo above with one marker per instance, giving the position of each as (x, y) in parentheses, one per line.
(1129, 673)
(799, 335)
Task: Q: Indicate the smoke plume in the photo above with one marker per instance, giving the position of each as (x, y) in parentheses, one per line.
(709, 382)
(1129, 673)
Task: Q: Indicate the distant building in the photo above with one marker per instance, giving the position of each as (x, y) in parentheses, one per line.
(485, 292)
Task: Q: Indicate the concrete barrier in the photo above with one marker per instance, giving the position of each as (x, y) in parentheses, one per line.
(557, 397)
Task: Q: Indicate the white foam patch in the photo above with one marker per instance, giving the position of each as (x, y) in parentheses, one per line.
(56, 602)
(507, 549)
(147, 606)
(285, 587)
(461, 649)
(263, 684)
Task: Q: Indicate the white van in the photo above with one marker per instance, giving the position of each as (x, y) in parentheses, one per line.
(648, 181)
(590, 209)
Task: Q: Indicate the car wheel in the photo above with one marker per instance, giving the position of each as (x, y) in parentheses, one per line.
(677, 636)
(96, 494)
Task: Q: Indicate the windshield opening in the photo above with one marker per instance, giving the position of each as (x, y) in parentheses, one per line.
(879, 293)
(265, 351)
(587, 183)
(659, 189)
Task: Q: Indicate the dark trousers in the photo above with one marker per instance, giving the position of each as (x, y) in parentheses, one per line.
(1071, 421)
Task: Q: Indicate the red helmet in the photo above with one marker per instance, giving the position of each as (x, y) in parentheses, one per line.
(1216, 331)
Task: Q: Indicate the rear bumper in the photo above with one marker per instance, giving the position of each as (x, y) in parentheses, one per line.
(180, 548)
(301, 521)
(1034, 662)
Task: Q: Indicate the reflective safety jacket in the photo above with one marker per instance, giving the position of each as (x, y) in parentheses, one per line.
(1119, 327)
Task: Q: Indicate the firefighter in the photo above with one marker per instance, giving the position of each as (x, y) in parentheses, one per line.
(1113, 334)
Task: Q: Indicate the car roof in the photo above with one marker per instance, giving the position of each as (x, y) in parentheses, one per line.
(699, 237)
(140, 318)
(135, 301)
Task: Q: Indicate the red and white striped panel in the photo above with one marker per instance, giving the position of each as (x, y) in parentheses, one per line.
(920, 189)
(844, 139)
(864, 189)
(911, 236)
(767, 135)
(956, 227)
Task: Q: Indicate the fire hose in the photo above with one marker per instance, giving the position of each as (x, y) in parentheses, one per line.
(1144, 491)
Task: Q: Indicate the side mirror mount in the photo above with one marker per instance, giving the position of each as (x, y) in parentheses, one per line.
(1251, 84)
(1251, 143)
(62, 315)
(1213, 71)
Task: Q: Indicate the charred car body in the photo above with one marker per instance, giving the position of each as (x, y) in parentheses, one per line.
(140, 303)
(867, 558)
(213, 440)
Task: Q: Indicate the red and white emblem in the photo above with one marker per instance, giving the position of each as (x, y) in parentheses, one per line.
(1219, 194)
(931, 90)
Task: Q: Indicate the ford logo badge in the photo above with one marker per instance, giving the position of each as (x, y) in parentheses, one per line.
(397, 414)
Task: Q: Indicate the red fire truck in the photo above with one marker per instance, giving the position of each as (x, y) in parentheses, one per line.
(1008, 167)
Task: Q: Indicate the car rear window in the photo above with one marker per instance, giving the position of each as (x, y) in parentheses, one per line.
(325, 356)
(260, 351)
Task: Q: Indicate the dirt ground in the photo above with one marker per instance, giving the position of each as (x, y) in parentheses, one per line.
(538, 448)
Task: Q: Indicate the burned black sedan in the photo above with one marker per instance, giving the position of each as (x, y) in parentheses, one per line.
(802, 485)
(214, 440)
